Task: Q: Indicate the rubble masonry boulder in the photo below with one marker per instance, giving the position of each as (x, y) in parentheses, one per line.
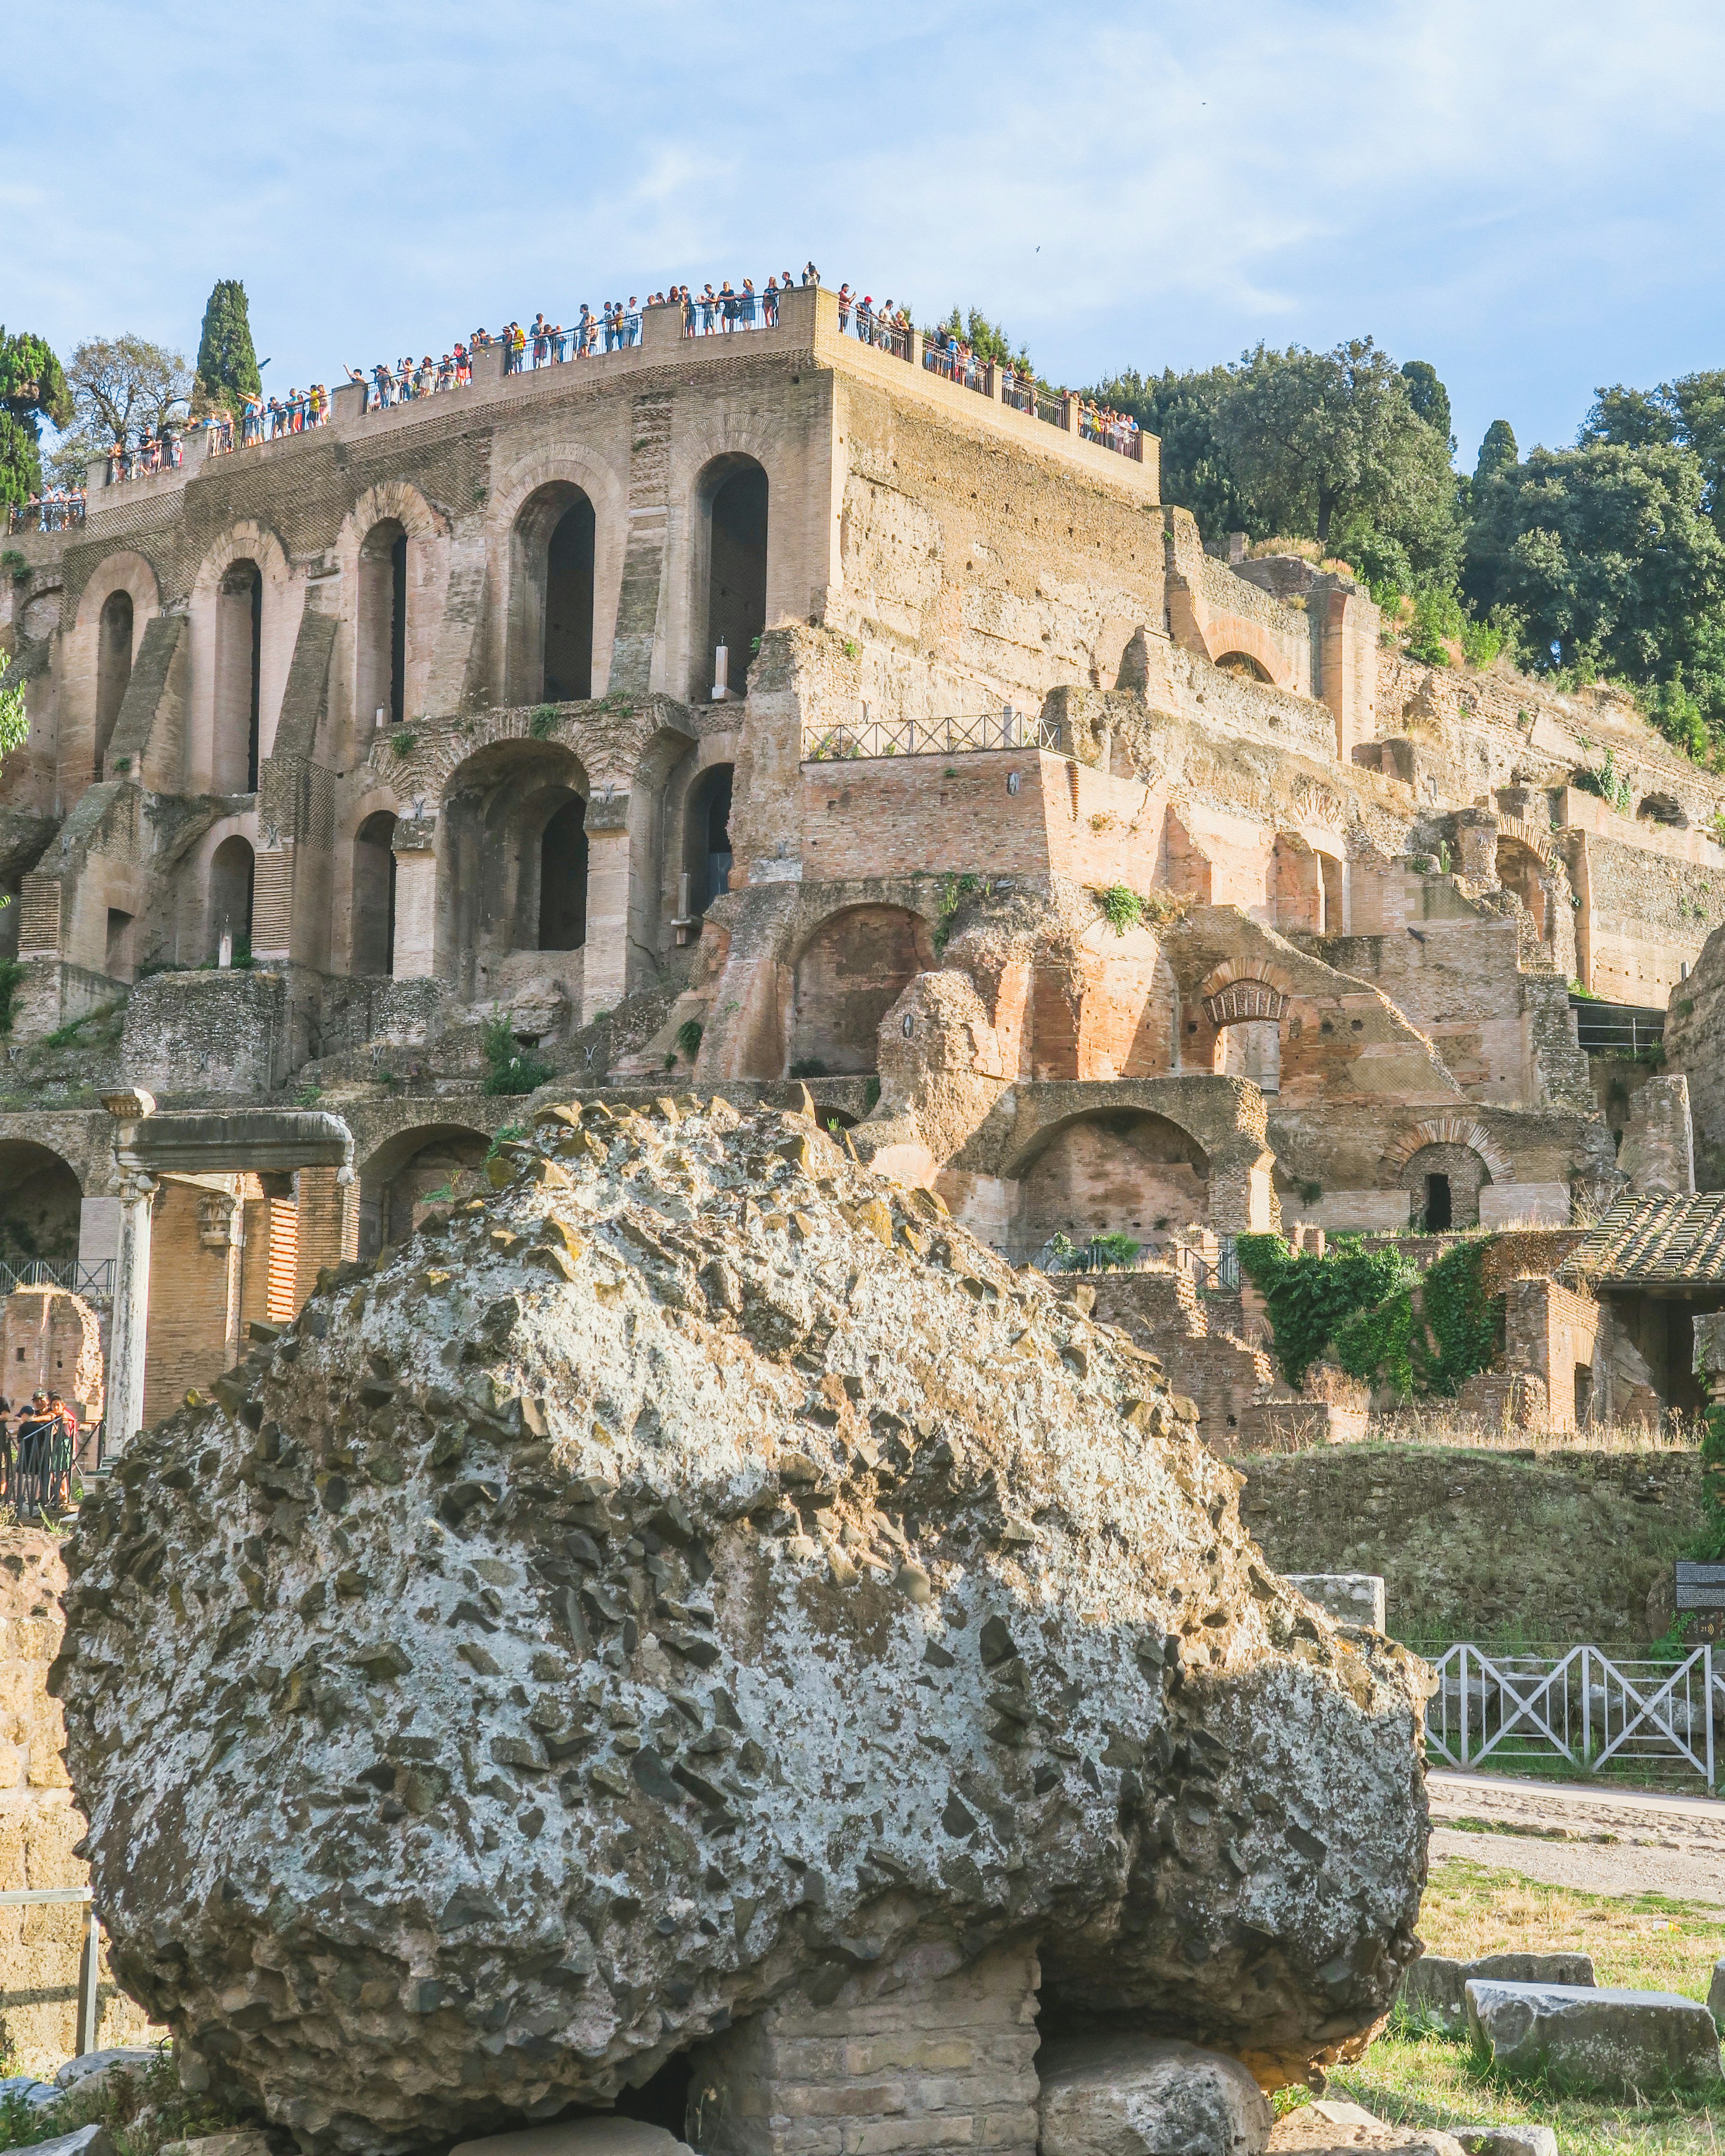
(698, 1576)
(1143, 2096)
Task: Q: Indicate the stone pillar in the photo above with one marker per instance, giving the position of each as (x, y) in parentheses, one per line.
(130, 1326)
(1658, 1150)
(415, 898)
(1476, 845)
(328, 1206)
(605, 964)
(926, 2056)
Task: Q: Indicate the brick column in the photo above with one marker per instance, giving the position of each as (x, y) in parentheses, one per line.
(328, 1225)
(415, 899)
(605, 964)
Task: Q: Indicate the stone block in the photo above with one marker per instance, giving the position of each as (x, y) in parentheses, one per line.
(1715, 1992)
(114, 2059)
(1350, 1598)
(1575, 2036)
(1506, 2140)
(569, 2136)
(88, 2141)
(1146, 2095)
(1434, 1989)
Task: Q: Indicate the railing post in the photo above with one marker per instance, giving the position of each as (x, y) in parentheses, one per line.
(88, 1974)
(916, 352)
(1070, 418)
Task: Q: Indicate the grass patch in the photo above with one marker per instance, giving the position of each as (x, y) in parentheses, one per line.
(1644, 1942)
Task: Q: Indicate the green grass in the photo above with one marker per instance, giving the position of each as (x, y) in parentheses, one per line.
(141, 2113)
(1643, 1942)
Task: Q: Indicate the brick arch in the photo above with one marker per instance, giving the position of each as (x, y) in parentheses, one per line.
(247, 539)
(847, 970)
(385, 1203)
(562, 464)
(123, 571)
(1450, 1130)
(1225, 634)
(1233, 971)
(1535, 840)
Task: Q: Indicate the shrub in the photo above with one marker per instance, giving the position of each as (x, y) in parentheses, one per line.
(10, 974)
(404, 744)
(809, 1066)
(509, 1067)
(14, 720)
(689, 1034)
(1120, 907)
(1311, 1298)
(1608, 785)
(544, 723)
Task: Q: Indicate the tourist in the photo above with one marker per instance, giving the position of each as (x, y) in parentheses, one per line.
(710, 304)
(844, 308)
(464, 365)
(746, 304)
(811, 276)
(865, 317)
(35, 1438)
(769, 303)
(688, 311)
(62, 1445)
(632, 322)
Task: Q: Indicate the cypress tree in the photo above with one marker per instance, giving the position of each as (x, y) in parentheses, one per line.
(32, 386)
(227, 358)
(1497, 451)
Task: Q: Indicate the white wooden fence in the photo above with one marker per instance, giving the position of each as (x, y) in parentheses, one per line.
(1512, 1711)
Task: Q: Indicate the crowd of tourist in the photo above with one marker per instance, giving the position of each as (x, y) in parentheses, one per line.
(39, 1444)
(53, 509)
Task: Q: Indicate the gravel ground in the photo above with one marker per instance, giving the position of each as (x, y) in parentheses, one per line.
(1599, 1841)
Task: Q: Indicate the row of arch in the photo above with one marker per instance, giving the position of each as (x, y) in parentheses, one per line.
(553, 545)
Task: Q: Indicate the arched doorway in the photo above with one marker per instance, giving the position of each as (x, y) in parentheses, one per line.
(373, 942)
(562, 878)
(507, 880)
(553, 552)
(850, 973)
(1521, 872)
(1443, 1183)
(410, 1175)
(239, 621)
(1244, 666)
(1117, 1171)
(380, 682)
(114, 635)
(735, 495)
(706, 851)
(232, 869)
(1250, 1048)
(41, 1205)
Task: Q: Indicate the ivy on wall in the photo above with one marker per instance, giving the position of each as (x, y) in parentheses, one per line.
(1709, 1547)
(1359, 1304)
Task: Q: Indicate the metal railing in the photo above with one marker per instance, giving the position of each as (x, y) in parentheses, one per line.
(1051, 410)
(718, 314)
(1109, 434)
(53, 513)
(961, 368)
(864, 737)
(884, 336)
(1616, 1028)
(1582, 1709)
(96, 1280)
(1021, 395)
(90, 1961)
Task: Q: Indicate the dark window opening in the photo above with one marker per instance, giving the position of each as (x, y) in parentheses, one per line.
(232, 872)
(1437, 1212)
(398, 629)
(562, 879)
(257, 683)
(710, 838)
(118, 963)
(374, 895)
(113, 669)
(569, 606)
(239, 678)
(1584, 1394)
(737, 582)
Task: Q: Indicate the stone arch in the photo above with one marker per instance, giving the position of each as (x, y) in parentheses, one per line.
(41, 1202)
(1234, 637)
(707, 860)
(732, 503)
(847, 974)
(700, 463)
(1523, 870)
(1243, 663)
(371, 945)
(115, 640)
(396, 1180)
(498, 805)
(564, 470)
(233, 869)
(1451, 1130)
(1111, 1171)
(243, 632)
(1297, 886)
(1663, 809)
(354, 899)
(390, 556)
(97, 668)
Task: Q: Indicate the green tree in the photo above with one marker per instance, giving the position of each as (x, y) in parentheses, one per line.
(124, 387)
(227, 358)
(1607, 554)
(1180, 410)
(988, 340)
(33, 387)
(1498, 449)
(1310, 436)
(1690, 411)
(1429, 396)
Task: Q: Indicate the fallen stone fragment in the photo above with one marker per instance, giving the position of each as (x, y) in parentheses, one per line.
(90, 2140)
(521, 1685)
(1615, 2042)
(579, 2137)
(1433, 1989)
(1506, 2140)
(1146, 2095)
(1328, 2127)
(124, 2058)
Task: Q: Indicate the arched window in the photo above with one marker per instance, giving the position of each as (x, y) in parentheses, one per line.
(737, 571)
(374, 895)
(562, 879)
(231, 870)
(113, 669)
(848, 975)
(1250, 1048)
(380, 685)
(239, 618)
(568, 605)
(707, 837)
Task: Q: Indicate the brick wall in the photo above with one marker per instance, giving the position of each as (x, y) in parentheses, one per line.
(194, 1291)
(51, 1339)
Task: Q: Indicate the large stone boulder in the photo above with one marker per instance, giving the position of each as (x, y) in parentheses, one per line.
(1434, 1988)
(1619, 2042)
(1146, 2095)
(693, 1573)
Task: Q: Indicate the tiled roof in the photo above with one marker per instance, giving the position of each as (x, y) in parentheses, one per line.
(1680, 1241)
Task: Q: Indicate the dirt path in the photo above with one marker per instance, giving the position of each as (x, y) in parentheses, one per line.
(1597, 1840)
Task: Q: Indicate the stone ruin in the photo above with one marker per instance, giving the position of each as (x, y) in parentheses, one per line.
(693, 1614)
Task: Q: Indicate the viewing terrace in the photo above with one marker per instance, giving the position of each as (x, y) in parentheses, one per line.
(806, 321)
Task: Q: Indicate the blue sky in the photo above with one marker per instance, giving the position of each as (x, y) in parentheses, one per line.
(1524, 193)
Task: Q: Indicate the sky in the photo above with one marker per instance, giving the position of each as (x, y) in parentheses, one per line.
(1524, 193)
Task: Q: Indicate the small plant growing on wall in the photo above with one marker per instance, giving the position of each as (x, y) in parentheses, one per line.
(544, 723)
(511, 1067)
(1121, 908)
(688, 1038)
(404, 744)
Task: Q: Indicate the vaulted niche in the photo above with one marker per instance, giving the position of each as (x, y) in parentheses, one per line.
(380, 685)
(373, 948)
(239, 627)
(734, 494)
(113, 669)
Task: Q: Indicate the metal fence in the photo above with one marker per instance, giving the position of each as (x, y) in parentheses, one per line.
(94, 1281)
(1580, 1708)
(89, 2010)
(1109, 434)
(964, 368)
(952, 737)
(1051, 410)
(59, 514)
(1616, 1028)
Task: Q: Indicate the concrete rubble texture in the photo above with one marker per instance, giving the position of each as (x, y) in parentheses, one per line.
(1596, 2039)
(692, 1575)
(1137, 2095)
(1507, 2140)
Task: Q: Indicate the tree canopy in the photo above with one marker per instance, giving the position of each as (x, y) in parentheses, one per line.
(122, 388)
(227, 358)
(33, 387)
